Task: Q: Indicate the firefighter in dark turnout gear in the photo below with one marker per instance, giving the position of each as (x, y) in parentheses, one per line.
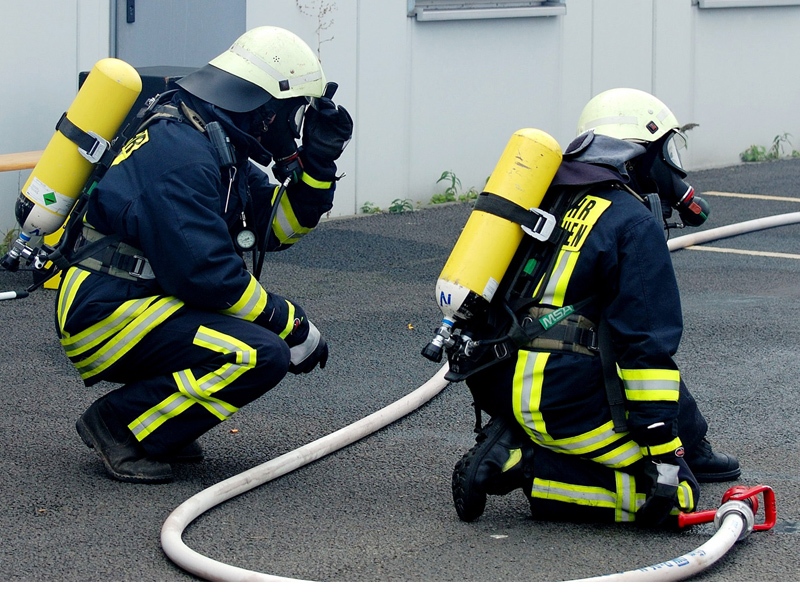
(552, 431)
(169, 308)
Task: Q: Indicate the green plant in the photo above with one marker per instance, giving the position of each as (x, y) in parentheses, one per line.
(401, 205)
(451, 192)
(8, 239)
(368, 208)
(776, 151)
(754, 154)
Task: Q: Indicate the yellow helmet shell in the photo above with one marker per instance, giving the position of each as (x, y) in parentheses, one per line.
(276, 60)
(627, 114)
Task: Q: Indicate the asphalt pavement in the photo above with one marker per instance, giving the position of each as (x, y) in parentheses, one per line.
(380, 509)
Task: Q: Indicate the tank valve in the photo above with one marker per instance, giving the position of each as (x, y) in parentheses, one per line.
(434, 350)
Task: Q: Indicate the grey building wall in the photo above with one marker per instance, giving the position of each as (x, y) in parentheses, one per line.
(447, 95)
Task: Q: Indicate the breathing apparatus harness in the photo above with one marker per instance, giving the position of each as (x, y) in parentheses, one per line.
(516, 309)
(107, 254)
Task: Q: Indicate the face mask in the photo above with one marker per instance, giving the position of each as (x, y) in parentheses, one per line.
(280, 115)
(668, 175)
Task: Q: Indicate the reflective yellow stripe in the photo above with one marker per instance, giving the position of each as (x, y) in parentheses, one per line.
(527, 390)
(93, 336)
(200, 391)
(289, 322)
(286, 227)
(527, 393)
(514, 456)
(69, 288)
(562, 272)
(315, 183)
(621, 456)
(252, 303)
(578, 221)
(686, 499)
(623, 500)
(626, 497)
(668, 447)
(130, 335)
(651, 384)
(585, 495)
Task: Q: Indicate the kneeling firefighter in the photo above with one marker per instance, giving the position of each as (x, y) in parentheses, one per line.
(167, 307)
(573, 358)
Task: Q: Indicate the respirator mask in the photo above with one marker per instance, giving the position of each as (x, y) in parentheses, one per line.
(668, 175)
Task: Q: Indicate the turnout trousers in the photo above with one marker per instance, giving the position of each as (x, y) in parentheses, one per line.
(190, 373)
(595, 475)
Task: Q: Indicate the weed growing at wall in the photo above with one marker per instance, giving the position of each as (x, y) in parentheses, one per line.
(781, 148)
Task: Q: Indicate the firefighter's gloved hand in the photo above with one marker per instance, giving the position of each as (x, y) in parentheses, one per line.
(662, 496)
(309, 354)
(276, 317)
(326, 131)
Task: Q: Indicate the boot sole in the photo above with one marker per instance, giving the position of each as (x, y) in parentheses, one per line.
(469, 506)
(86, 436)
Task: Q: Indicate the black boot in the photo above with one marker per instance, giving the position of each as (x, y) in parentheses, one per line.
(123, 456)
(500, 462)
(709, 466)
(191, 453)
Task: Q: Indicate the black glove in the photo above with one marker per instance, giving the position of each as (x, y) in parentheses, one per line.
(662, 496)
(309, 354)
(326, 131)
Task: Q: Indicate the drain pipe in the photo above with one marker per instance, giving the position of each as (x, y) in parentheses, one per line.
(211, 570)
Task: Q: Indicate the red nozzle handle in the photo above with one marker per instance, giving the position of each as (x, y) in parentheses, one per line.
(738, 493)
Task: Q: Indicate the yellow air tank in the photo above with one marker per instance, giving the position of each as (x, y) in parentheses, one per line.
(102, 103)
(488, 242)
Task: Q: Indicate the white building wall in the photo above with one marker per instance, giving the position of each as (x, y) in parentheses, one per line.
(434, 96)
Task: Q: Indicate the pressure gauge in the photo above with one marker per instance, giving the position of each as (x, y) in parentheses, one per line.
(246, 240)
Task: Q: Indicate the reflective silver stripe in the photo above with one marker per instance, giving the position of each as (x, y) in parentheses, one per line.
(626, 496)
(526, 391)
(614, 120)
(616, 459)
(162, 413)
(194, 389)
(72, 281)
(190, 391)
(249, 56)
(252, 302)
(83, 343)
(555, 277)
(651, 385)
(579, 494)
(129, 336)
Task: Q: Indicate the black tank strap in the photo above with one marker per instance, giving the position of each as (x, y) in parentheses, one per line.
(505, 209)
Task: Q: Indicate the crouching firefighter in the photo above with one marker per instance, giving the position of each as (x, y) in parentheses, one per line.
(161, 299)
(573, 358)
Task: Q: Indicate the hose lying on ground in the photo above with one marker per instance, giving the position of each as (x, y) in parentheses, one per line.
(211, 570)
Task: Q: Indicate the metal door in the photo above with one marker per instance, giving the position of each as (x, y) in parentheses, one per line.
(178, 33)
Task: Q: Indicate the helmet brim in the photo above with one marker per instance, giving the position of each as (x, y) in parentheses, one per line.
(224, 90)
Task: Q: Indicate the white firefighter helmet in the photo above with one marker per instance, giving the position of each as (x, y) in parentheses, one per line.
(627, 114)
(265, 62)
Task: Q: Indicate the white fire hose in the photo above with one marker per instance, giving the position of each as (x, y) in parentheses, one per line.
(733, 524)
